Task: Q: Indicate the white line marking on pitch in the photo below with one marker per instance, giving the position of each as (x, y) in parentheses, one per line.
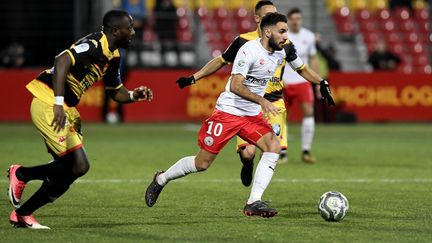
(277, 180)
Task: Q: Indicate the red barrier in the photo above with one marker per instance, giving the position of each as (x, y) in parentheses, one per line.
(373, 97)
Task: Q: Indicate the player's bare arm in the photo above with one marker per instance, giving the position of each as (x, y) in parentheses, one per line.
(125, 96)
(211, 67)
(62, 64)
(238, 88)
(313, 60)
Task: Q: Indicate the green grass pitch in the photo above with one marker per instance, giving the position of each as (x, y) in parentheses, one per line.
(385, 170)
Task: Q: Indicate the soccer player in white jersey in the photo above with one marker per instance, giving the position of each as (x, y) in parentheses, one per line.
(238, 112)
(297, 88)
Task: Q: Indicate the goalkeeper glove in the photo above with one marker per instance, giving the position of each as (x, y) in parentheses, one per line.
(185, 81)
(326, 93)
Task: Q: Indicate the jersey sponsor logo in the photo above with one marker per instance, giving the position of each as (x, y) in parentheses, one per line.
(241, 63)
(275, 80)
(208, 141)
(253, 80)
(81, 48)
(61, 139)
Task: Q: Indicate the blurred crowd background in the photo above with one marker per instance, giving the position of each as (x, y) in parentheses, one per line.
(352, 35)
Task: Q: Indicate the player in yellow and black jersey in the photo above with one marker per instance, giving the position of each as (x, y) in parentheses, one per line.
(273, 90)
(56, 92)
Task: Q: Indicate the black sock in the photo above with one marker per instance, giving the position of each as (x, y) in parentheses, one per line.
(36, 201)
(306, 152)
(40, 172)
(47, 193)
(247, 161)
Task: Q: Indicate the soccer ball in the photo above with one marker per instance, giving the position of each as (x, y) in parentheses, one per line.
(333, 206)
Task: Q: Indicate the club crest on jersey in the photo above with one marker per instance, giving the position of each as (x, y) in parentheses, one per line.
(279, 62)
(276, 129)
(241, 63)
(208, 141)
(261, 61)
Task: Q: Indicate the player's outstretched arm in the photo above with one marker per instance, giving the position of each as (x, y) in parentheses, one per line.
(208, 69)
(313, 77)
(62, 64)
(238, 88)
(123, 95)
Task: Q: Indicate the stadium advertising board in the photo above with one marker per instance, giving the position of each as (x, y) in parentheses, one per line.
(372, 97)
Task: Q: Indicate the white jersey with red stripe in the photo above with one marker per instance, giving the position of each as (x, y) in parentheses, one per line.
(304, 41)
(257, 65)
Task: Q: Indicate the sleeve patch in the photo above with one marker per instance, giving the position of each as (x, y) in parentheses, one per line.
(81, 48)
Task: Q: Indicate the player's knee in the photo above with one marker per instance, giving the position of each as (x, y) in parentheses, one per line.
(248, 153)
(202, 164)
(275, 148)
(81, 168)
(308, 110)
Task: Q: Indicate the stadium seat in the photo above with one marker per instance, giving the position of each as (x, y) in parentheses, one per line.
(241, 13)
(382, 15)
(343, 21)
(371, 37)
(416, 49)
(397, 48)
(220, 13)
(401, 14)
(184, 36)
(405, 68)
(405, 59)
(203, 13)
(426, 69)
(407, 26)
(424, 28)
(420, 60)
(421, 15)
(225, 25)
(227, 38)
(362, 15)
(387, 26)
(393, 38)
(411, 38)
(366, 26)
(246, 25)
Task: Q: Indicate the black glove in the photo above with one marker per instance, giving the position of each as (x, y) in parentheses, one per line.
(185, 81)
(326, 93)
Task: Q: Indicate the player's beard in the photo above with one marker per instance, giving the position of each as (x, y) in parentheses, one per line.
(273, 45)
(125, 43)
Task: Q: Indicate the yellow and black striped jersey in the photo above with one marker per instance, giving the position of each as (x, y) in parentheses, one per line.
(275, 85)
(92, 60)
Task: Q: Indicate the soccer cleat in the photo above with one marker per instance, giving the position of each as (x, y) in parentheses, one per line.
(259, 208)
(246, 174)
(282, 160)
(153, 191)
(25, 221)
(307, 158)
(13, 219)
(16, 187)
